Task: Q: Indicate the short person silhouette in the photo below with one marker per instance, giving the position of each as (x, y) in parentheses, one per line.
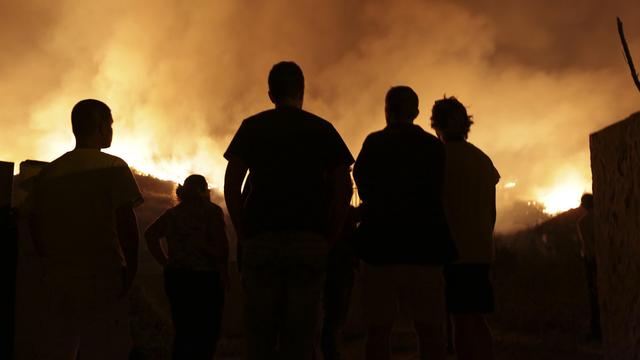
(195, 267)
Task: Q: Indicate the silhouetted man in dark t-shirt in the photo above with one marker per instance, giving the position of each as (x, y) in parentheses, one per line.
(295, 207)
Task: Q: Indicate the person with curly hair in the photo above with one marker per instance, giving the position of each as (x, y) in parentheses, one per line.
(470, 206)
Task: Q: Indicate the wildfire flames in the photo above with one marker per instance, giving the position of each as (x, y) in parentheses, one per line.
(564, 194)
(180, 76)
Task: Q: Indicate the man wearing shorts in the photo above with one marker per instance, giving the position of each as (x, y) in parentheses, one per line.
(403, 237)
(85, 232)
(470, 205)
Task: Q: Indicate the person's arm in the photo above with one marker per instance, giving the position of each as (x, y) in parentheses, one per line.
(127, 228)
(496, 180)
(362, 171)
(153, 235)
(493, 208)
(125, 195)
(338, 162)
(233, 178)
(341, 193)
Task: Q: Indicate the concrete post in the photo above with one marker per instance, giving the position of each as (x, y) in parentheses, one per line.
(8, 262)
(615, 166)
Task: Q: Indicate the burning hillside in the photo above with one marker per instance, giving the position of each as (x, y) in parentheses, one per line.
(537, 76)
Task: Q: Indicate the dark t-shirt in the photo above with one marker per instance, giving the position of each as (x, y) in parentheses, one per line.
(399, 173)
(289, 153)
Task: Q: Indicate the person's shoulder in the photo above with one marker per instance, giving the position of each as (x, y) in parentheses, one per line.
(482, 158)
(313, 117)
(62, 161)
(260, 115)
(478, 152)
(376, 136)
(266, 119)
(170, 212)
(256, 118)
(111, 160)
(214, 209)
(427, 139)
(314, 120)
(213, 206)
(299, 115)
(82, 160)
(317, 125)
(427, 136)
(52, 165)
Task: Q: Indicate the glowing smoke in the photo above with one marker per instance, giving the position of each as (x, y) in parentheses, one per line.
(180, 76)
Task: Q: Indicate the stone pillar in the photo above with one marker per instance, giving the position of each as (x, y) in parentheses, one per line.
(615, 166)
(8, 262)
(29, 292)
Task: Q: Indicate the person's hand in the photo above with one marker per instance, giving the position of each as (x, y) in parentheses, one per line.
(128, 276)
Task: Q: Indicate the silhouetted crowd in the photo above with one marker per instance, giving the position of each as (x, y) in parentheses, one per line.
(422, 236)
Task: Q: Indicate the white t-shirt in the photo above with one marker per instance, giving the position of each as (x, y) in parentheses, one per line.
(74, 201)
(469, 201)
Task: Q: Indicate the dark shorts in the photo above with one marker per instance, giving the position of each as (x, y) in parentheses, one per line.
(468, 289)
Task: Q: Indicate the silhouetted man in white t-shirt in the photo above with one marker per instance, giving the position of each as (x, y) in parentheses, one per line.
(470, 206)
(85, 231)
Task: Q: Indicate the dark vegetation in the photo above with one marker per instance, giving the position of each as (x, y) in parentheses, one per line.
(541, 293)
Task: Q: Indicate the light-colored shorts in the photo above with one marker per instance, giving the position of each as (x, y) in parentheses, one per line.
(415, 290)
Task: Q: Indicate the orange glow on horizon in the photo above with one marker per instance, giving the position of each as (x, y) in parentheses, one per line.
(175, 168)
(138, 146)
(564, 194)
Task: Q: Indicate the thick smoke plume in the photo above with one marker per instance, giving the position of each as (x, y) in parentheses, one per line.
(180, 76)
